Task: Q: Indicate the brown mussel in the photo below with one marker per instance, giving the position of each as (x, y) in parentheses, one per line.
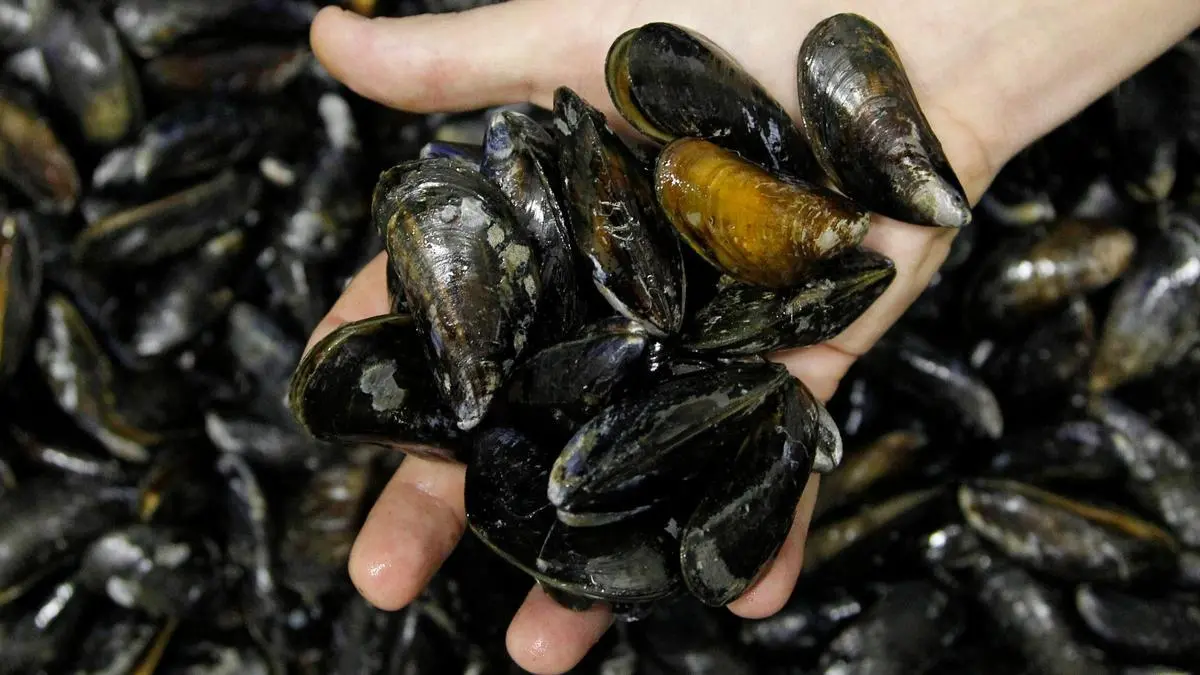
(750, 224)
(369, 382)
(635, 259)
(470, 275)
(866, 127)
(33, 159)
(20, 290)
(669, 82)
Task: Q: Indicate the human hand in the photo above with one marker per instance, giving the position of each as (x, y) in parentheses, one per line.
(991, 77)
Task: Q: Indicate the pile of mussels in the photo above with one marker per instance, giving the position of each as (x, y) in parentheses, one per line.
(581, 320)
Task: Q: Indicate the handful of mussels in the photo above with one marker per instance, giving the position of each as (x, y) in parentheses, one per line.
(1010, 477)
(625, 439)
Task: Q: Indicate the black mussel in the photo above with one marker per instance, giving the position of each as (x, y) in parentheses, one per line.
(27, 67)
(883, 458)
(753, 226)
(268, 442)
(1033, 621)
(470, 273)
(369, 382)
(164, 572)
(332, 206)
(194, 294)
(1020, 194)
(91, 73)
(635, 453)
(46, 520)
(744, 319)
(68, 456)
(1172, 401)
(1153, 321)
(264, 352)
(1073, 450)
(568, 383)
(123, 642)
(32, 157)
(470, 154)
(179, 485)
(297, 288)
(321, 525)
(808, 621)
(20, 290)
(938, 381)
(635, 259)
(1189, 570)
(745, 514)
(1035, 273)
(669, 81)
(507, 509)
(1147, 452)
(521, 158)
(882, 520)
(1153, 626)
(1049, 361)
(153, 232)
(251, 545)
(21, 21)
(151, 27)
(201, 657)
(365, 640)
(188, 140)
(1175, 499)
(241, 70)
(907, 631)
(1146, 112)
(866, 127)
(45, 635)
(1073, 540)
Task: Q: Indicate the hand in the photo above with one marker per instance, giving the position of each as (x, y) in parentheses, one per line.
(991, 77)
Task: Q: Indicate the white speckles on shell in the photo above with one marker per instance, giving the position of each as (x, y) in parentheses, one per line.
(708, 572)
(828, 240)
(495, 235)
(694, 218)
(379, 382)
(448, 213)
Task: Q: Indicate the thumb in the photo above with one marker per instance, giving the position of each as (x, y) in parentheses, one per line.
(505, 53)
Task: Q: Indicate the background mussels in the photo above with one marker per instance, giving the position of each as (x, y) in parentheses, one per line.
(182, 481)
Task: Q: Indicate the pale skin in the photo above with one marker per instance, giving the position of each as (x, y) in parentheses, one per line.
(992, 77)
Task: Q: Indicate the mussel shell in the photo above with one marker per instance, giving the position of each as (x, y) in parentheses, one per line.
(164, 572)
(90, 387)
(469, 154)
(1073, 450)
(568, 383)
(91, 73)
(937, 381)
(241, 70)
(470, 274)
(368, 382)
(669, 81)
(321, 524)
(32, 157)
(520, 157)
(20, 290)
(1163, 626)
(123, 641)
(153, 232)
(882, 459)
(866, 127)
(1153, 320)
(745, 319)
(195, 293)
(151, 27)
(67, 456)
(636, 452)
(46, 520)
(808, 621)
(906, 631)
(635, 259)
(841, 538)
(1073, 540)
(507, 508)
(753, 226)
(43, 635)
(1035, 273)
(745, 515)
(1032, 621)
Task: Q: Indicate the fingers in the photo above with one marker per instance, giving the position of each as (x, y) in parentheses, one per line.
(545, 637)
(772, 590)
(503, 53)
(416, 522)
(365, 296)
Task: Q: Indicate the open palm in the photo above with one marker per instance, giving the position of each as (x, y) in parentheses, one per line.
(991, 77)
